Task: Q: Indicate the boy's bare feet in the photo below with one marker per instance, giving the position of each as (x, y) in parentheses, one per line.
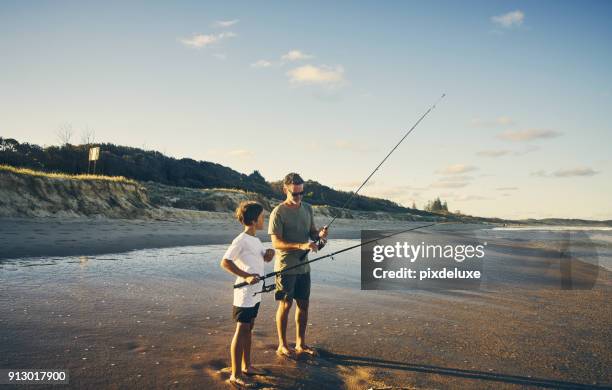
(305, 349)
(284, 351)
(241, 383)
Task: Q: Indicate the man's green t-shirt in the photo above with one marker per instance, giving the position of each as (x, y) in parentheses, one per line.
(291, 225)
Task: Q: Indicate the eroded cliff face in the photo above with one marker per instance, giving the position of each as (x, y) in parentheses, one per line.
(33, 195)
(23, 195)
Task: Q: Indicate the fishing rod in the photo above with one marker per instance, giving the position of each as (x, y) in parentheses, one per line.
(267, 288)
(321, 243)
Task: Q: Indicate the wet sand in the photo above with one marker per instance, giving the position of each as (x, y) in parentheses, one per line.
(32, 237)
(161, 318)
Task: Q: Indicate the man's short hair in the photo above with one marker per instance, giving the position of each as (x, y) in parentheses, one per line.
(248, 211)
(293, 178)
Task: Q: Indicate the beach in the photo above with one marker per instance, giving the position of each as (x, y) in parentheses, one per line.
(32, 237)
(161, 318)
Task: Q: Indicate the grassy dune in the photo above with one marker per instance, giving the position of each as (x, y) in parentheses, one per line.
(55, 175)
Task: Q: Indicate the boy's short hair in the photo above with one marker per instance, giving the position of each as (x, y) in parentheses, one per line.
(293, 178)
(248, 211)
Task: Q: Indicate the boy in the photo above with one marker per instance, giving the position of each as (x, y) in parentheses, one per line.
(245, 258)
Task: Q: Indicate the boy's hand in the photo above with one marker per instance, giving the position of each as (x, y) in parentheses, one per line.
(252, 279)
(269, 255)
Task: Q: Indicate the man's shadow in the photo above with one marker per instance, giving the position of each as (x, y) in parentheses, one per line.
(347, 360)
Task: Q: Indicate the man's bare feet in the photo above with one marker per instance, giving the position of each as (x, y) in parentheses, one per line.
(240, 383)
(284, 351)
(254, 371)
(305, 349)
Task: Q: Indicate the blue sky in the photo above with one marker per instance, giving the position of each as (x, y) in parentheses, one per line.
(327, 89)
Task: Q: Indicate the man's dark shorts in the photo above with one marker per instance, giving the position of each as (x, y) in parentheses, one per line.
(292, 287)
(245, 314)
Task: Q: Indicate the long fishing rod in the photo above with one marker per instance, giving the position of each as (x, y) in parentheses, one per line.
(321, 243)
(268, 288)
(387, 156)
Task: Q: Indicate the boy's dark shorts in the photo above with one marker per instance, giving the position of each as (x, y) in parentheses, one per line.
(245, 314)
(292, 287)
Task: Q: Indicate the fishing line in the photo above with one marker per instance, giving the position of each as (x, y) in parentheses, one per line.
(321, 243)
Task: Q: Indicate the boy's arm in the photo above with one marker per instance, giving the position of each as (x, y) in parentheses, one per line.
(232, 268)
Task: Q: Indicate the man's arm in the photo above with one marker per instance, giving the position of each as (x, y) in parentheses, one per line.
(278, 243)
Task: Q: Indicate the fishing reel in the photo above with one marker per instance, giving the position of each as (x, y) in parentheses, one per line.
(265, 288)
(321, 242)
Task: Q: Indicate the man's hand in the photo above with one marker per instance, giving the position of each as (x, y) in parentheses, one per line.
(269, 255)
(323, 233)
(309, 246)
(252, 279)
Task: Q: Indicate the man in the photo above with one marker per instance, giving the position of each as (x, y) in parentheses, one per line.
(291, 226)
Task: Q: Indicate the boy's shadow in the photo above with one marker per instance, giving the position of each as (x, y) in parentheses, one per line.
(346, 360)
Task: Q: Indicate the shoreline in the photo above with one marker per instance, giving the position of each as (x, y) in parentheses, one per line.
(58, 237)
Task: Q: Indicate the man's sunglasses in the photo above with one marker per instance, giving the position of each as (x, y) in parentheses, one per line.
(301, 193)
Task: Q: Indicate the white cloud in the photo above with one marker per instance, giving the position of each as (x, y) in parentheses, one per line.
(295, 55)
(310, 74)
(220, 56)
(582, 171)
(225, 23)
(529, 149)
(261, 64)
(198, 41)
(493, 153)
(528, 135)
(243, 153)
(456, 169)
(510, 19)
(571, 172)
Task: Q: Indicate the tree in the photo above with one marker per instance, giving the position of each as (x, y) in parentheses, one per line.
(88, 136)
(437, 206)
(256, 176)
(65, 133)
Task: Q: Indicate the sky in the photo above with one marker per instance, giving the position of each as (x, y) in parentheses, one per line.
(326, 89)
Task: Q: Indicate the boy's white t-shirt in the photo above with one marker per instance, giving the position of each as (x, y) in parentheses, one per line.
(247, 252)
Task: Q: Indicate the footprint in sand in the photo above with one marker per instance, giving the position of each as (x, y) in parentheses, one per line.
(136, 347)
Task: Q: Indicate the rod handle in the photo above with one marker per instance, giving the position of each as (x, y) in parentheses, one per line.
(241, 285)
